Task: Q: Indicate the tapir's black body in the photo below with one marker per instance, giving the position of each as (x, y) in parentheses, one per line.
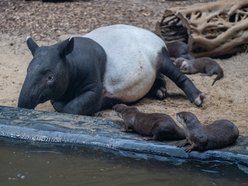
(78, 72)
(81, 75)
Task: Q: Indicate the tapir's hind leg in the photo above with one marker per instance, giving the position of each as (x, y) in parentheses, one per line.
(158, 90)
(182, 81)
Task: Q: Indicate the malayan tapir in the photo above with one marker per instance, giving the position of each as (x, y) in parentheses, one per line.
(117, 63)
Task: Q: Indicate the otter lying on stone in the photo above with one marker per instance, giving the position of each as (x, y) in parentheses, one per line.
(204, 65)
(219, 134)
(157, 126)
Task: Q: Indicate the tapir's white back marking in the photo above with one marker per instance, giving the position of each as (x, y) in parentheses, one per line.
(131, 60)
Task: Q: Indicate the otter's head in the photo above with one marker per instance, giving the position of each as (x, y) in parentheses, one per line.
(123, 109)
(183, 64)
(187, 119)
(120, 108)
(127, 113)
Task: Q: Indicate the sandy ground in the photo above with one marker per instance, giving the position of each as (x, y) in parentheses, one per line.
(227, 99)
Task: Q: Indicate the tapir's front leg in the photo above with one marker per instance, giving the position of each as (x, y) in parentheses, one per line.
(169, 69)
(87, 103)
(58, 105)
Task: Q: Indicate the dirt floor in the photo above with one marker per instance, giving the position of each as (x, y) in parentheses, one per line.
(51, 22)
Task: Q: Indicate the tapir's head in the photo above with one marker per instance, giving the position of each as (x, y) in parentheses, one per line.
(47, 74)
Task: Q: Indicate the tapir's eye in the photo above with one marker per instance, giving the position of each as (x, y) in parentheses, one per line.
(50, 81)
(50, 77)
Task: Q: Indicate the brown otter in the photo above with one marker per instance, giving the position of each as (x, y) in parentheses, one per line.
(178, 49)
(204, 65)
(156, 126)
(219, 134)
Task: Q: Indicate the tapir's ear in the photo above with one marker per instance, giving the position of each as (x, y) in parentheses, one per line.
(31, 45)
(66, 47)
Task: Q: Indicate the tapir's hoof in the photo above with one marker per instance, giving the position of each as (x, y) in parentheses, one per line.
(158, 90)
(199, 99)
(161, 93)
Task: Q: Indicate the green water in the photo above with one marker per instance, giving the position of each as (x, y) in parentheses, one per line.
(25, 165)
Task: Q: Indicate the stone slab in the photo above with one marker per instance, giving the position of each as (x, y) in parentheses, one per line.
(61, 129)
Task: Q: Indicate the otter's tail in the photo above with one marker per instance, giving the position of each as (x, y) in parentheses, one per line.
(219, 76)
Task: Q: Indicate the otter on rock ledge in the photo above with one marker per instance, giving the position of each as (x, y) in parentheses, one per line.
(219, 134)
(156, 126)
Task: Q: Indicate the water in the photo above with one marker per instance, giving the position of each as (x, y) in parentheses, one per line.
(25, 165)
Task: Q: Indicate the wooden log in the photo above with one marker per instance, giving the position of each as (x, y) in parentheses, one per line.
(210, 29)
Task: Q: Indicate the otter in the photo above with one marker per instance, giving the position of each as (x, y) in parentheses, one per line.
(219, 134)
(204, 65)
(178, 49)
(155, 126)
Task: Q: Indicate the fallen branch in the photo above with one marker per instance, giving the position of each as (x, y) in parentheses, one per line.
(210, 29)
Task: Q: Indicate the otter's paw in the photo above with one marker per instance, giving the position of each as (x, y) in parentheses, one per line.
(182, 143)
(148, 138)
(124, 130)
(188, 149)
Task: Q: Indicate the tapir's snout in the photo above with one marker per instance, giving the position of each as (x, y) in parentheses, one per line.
(30, 95)
(27, 101)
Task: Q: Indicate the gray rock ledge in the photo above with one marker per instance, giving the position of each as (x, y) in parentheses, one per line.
(61, 129)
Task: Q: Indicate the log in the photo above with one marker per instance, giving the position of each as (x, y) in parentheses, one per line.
(211, 29)
(48, 129)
